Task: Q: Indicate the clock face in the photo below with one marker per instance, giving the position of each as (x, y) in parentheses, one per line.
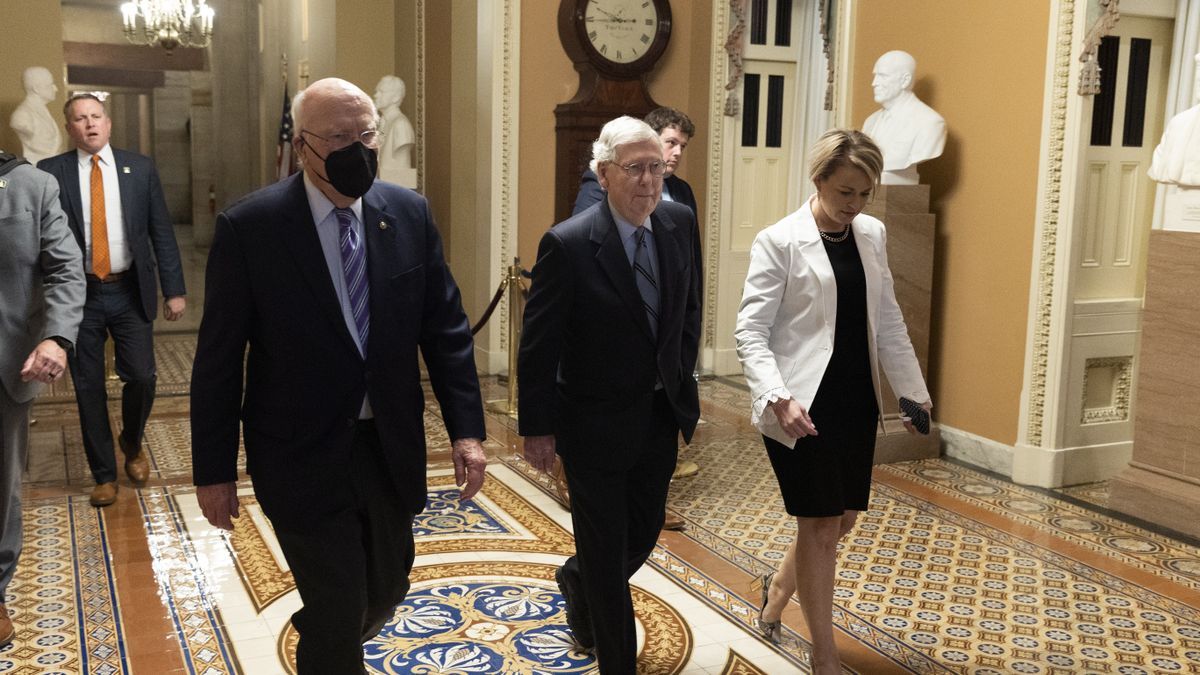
(621, 31)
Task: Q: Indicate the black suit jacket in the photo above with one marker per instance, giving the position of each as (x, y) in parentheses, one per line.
(588, 365)
(268, 286)
(148, 229)
(590, 192)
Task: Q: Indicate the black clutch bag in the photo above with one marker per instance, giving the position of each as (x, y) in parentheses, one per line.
(916, 414)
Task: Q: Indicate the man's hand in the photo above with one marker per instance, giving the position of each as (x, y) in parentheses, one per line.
(469, 466)
(173, 307)
(794, 418)
(46, 363)
(539, 452)
(218, 503)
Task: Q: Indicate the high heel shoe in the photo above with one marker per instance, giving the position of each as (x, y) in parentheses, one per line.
(769, 629)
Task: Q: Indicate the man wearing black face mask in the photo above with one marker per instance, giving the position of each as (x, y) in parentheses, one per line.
(334, 280)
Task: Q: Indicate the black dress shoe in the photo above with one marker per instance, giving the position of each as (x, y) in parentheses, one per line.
(577, 617)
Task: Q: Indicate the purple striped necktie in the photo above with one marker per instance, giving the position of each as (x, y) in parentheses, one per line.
(354, 267)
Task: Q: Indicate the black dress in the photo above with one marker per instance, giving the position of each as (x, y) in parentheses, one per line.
(827, 474)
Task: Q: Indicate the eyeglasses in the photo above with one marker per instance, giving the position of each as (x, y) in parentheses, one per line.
(369, 138)
(635, 171)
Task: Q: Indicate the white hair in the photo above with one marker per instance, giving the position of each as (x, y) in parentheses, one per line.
(621, 131)
(296, 114)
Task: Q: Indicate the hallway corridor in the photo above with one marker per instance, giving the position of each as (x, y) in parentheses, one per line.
(952, 570)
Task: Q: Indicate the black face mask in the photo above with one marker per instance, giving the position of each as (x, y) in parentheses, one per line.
(351, 170)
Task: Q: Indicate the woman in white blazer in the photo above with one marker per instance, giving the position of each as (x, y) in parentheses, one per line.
(818, 319)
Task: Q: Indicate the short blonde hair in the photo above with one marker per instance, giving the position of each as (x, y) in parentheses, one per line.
(621, 131)
(845, 147)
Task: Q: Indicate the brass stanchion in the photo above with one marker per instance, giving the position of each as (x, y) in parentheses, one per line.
(512, 282)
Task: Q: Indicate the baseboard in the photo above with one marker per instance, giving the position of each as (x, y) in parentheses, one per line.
(965, 446)
(1058, 467)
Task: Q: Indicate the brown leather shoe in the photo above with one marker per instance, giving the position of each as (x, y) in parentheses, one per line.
(104, 494)
(137, 466)
(673, 521)
(7, 631)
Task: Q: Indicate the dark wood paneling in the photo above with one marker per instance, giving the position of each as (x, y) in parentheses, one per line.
(115, 77)
(133, 57)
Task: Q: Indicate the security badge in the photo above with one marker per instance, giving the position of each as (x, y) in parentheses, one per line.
(124, 169)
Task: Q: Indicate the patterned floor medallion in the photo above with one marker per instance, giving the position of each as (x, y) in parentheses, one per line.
(62, 598)
(498, 519)
(499, 618)
(740, 665)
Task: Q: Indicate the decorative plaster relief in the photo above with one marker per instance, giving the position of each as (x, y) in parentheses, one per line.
(1113, 375)
(1048, 244)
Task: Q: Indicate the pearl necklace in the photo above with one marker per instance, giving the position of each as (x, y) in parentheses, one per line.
(835, 238)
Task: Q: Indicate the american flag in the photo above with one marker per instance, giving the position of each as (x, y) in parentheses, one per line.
(285, 163)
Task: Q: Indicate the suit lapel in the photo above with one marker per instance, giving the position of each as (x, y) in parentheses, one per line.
(814, 254)
(68, 170)
(866, 253)
(610, 255)
(384, 253)
(670, 256)
(300, 235)
(125, 183)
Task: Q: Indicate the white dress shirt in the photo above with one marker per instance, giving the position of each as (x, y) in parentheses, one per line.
(118, 249)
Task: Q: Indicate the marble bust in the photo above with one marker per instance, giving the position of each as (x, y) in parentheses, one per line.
(1176, 164)
(399, 141)
(32, 121)
(906, 130)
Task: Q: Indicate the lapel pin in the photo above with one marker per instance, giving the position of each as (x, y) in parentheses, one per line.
(382, 225)
(3, 183)
(124, 169)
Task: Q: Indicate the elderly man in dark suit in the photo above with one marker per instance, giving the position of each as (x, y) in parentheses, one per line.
(41, 302)
(334, 280)
(611, 334)
(675, 130)
(115, 207)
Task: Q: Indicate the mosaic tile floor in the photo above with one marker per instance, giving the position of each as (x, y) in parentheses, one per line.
(952, 570)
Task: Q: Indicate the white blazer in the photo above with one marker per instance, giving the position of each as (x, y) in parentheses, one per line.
(789, 310)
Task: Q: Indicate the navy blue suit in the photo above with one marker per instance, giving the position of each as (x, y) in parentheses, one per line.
(615, 395)
(340, 493)
(590, 192)
(149, 232)
(126, 309)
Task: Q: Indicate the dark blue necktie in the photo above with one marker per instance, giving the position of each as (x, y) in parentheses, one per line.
(354, 267)
(647, 285)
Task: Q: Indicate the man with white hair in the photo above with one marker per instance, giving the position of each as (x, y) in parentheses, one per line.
(332, 406)
(609, 345)
(905, 129)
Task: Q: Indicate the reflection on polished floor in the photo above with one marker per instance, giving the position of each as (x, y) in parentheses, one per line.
(952, 570)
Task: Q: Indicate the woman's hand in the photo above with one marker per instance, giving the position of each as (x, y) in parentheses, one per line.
(927, 406)
(794, 418)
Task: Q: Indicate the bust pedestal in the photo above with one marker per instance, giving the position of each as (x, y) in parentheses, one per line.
(402, 176)
(904, 210)
(1162, 482)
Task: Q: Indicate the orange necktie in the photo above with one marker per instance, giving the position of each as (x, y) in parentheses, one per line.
(101, 265)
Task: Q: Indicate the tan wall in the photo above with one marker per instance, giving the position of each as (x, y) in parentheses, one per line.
(34, 40)
(548, 78)
(366, 42)
(438, 35)
(984, 188)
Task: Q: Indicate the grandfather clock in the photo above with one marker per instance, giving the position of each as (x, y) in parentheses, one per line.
(614, 44)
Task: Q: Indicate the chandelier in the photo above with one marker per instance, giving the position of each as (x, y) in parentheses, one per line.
(168, 23)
